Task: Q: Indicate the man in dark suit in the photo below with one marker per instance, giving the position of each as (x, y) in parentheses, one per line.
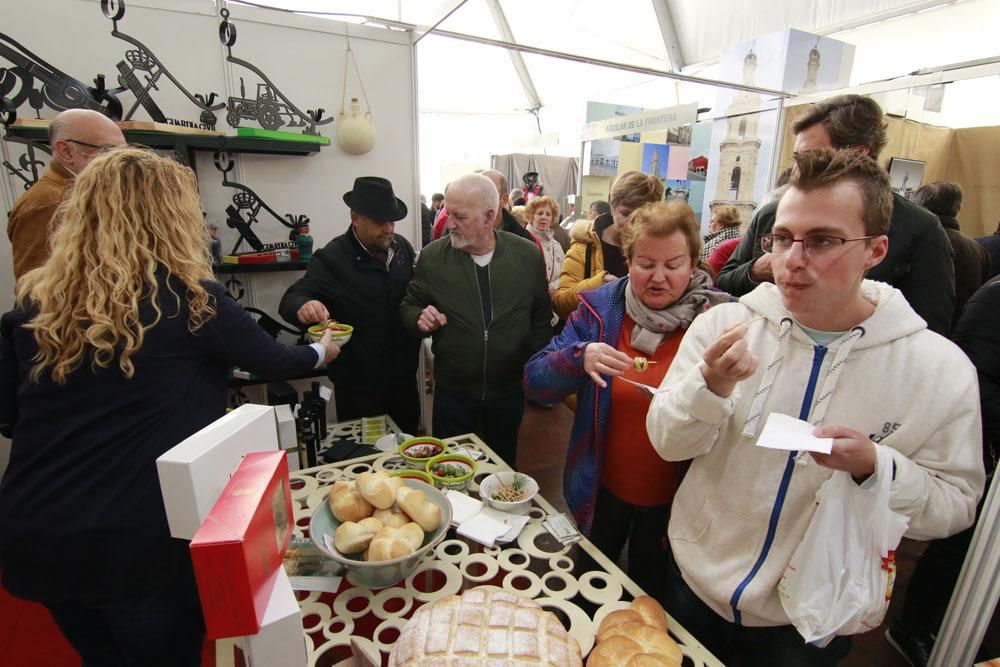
(360, 278)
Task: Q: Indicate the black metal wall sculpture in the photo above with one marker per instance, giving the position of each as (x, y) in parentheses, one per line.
(269, 107)
(55, 89)
(246, 200)
(141, 71)
(29, 167)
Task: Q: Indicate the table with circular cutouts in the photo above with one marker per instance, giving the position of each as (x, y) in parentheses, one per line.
(577, 583)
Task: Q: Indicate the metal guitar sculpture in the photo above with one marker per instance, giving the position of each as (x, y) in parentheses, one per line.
(58, 90)
(143, 63)
(270, 107)
(249, 201)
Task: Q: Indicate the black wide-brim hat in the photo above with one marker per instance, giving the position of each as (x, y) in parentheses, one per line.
(373, 197)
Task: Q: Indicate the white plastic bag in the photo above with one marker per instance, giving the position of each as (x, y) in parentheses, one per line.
(839, 580)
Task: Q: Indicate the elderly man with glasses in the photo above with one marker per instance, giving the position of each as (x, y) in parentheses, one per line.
(845, 354)
(76, 137)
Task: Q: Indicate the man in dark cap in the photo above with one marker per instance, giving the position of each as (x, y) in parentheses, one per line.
(360, 278)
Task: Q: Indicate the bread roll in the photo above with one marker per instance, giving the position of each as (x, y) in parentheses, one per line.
(352, 538)
(651, 611)
(347, 504)
(378, 488)
(418, 508)
(484, 626)
(391, 542)
(615, 619)
(392, 517)
(627, 641)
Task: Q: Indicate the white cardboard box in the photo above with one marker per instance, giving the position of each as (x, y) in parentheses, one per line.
(287, 438)
(281, 641)
(193, 473)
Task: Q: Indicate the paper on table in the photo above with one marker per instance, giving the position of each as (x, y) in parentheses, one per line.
(515, 523)
(791, 434)
(483, 529)
(463, 507)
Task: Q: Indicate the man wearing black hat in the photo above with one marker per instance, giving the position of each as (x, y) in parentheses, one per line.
(360, 278)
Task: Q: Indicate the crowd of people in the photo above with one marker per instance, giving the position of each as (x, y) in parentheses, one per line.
(836, 301)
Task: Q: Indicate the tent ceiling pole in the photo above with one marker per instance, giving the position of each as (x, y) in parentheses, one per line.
(500, 19)
(637, 69)
(669, 33)
(446, 9)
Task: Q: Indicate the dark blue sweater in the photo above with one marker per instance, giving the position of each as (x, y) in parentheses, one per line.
(81, 517)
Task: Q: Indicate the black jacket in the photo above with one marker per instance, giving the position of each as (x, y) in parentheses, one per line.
(919, 262)
(81, 515)
(361, 291)
(976, 334)
(972, 264)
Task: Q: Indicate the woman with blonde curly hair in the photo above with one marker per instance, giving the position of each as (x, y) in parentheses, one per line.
(118, 349)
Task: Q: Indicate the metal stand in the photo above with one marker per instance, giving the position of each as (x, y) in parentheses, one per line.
(976, 592)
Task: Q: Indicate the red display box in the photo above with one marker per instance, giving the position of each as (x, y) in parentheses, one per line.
(241, 543)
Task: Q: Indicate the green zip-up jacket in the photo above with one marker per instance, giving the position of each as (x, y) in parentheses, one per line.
(482, 359)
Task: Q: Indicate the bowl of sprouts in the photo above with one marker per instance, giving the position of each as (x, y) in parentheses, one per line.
(508, 491)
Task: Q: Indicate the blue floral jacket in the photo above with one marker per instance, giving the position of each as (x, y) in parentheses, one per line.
(557, 371)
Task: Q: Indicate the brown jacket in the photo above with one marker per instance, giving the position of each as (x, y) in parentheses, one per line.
(29, 224)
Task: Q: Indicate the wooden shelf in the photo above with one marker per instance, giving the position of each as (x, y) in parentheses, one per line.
(260, 268)
(170, 141)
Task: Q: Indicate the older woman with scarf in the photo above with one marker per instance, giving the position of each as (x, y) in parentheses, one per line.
(541, 214)
(623, 333)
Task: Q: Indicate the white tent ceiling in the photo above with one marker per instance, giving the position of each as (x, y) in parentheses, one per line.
(474, 98)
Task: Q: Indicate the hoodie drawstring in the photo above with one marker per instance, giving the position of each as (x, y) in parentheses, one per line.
(757, 404)
(818, 413)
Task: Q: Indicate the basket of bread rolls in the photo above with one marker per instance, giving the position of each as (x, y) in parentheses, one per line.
(635, 636)
(379, 527)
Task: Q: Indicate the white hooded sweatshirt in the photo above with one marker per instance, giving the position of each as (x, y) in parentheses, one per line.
(742, 510)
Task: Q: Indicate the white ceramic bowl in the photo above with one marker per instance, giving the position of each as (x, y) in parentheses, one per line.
(492, 483)
(379, 574)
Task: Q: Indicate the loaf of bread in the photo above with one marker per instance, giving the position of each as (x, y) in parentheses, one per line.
(484, 626)
(392, 542)
(354, 537)
(346, 502)
(378, 488)
(418, 508)
(635, 637)
(392, 517)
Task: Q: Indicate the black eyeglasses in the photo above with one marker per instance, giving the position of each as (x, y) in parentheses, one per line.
(87, 144)
(813, 245)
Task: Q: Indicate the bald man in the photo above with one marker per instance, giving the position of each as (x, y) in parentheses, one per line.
(77, 136)
(505, 220)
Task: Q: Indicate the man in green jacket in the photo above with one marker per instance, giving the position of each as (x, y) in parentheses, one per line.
(482, 294)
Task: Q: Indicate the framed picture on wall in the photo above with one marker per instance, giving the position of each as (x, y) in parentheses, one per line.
(906, 175)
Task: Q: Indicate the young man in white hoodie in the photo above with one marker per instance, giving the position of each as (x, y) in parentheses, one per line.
(846, 354)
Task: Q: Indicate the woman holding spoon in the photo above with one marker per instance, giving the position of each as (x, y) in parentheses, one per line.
(616, 485)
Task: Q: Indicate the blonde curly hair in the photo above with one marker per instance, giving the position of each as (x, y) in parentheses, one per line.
(131, 213)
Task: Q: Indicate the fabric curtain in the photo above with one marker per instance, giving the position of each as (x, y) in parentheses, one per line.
(558, 175)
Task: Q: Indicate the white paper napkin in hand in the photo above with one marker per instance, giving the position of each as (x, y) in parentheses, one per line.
(791, 434)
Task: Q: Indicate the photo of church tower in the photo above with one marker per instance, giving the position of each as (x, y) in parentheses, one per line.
(812, 70)
(739, 150)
